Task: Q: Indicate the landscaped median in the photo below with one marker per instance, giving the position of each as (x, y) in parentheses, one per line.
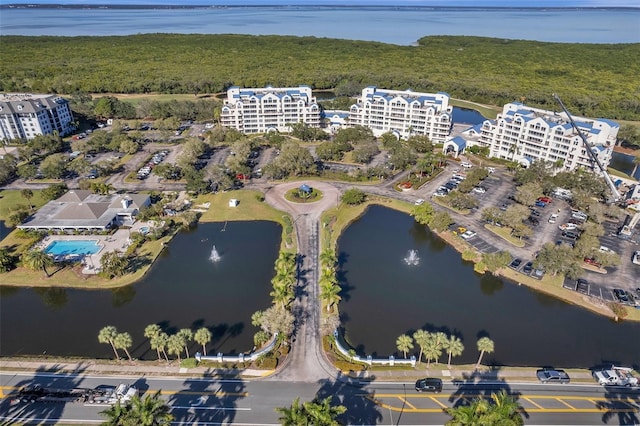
(505, 233)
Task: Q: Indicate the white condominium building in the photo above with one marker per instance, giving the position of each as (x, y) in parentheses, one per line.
(267, 109)
(24, 116)
(403, 113)
(525, 134)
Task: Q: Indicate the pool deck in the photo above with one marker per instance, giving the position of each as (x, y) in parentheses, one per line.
(118, 241)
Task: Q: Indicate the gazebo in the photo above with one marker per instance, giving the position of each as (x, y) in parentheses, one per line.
(305, 190)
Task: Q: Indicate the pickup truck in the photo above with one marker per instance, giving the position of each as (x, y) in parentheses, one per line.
(550, 375)
(615, 376)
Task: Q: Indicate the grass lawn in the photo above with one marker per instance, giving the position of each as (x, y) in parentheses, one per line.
(505, 233)
(440, 202)
(10, 199)
(293, 195)
(135, 98)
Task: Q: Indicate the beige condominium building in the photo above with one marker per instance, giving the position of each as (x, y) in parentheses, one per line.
(404, 113)
(261, 110)
(525, 134)
(24, 116)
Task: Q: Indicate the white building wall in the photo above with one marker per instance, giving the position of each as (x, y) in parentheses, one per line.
(24, 116)
(405, 113)
(522, 133)
(259, 110)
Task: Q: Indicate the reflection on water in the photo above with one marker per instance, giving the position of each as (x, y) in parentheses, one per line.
(182, 289)
(383, 298)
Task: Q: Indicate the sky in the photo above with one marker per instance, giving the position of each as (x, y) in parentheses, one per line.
(468, 3)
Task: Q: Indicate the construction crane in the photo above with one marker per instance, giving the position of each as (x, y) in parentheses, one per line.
(592, 156)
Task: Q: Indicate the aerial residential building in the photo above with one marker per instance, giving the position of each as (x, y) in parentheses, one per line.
(268, 109)
(24, 116)
(525, 134)
(404, 113)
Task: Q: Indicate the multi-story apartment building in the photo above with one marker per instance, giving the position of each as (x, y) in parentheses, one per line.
(403, 113)
(525, 134)
(267, 109)
(24, 116)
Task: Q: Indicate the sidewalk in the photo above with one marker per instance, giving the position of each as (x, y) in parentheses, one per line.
(143, 368)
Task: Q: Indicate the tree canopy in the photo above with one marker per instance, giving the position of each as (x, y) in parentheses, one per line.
(596, 80)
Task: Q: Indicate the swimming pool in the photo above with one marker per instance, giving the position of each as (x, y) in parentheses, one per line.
(72, 247)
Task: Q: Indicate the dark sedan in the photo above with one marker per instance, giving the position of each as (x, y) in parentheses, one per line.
(429, 384)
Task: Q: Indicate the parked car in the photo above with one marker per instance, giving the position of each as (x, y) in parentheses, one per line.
(468, 234)
(568, 226)
(479, 190)
(570, 235)
(621, 295)
(466, 165)
(636, 258)
(551, 375)
(419, 202)
(592, 261)
(582, 286)
(545, 199)
(579, 215)
(552, 218)
(538, 273)
(515, 263)
(528, 268)
(491, 169)
(541, 204)
(429, 384)
(535, 212)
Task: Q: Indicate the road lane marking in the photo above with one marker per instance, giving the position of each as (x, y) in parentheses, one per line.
(193, 407)
(565, 403)
(404, 401)
(528, 399)
(438, 402)
(210, 393)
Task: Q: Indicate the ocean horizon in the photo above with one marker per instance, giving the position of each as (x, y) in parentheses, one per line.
(401, 25)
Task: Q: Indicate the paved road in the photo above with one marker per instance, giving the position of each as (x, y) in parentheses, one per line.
(237, 401)
(306, 361)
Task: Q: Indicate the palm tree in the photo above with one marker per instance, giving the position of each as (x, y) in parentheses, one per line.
(440, 339)
(321, 412)
(186, 335)
(150, 332)
(37, 259)
(404, 344)
(502, 409)
(147, 411)
(282, 294)
(108, 335)
(505, 409)
(330, 294)
(328, 258)
(203, 336)
(454, 347)
(484, 345)
(175, 344)
(316, 412)
(159, 343)
(432, 350)
(123, 341)
(260, 338)
(294, 415)
(422, 339)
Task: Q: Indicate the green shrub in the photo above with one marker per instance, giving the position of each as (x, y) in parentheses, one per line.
(189, 363)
